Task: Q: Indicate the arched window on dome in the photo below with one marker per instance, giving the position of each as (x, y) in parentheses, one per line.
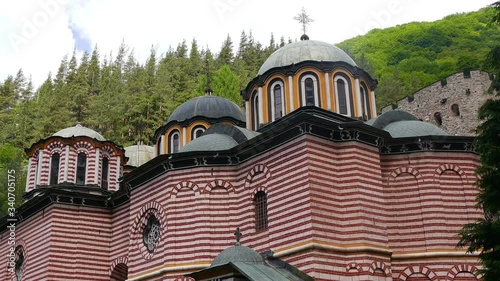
(105, 173)
(81, 168)
(54, 168)
(260, 204)
(197, 132)
(255, 110)
(309, 90)
(343, 95)
(276, 100)
(174, 144)
(365, 102)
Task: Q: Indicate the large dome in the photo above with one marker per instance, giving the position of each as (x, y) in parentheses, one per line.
(207, 106)
(237, 253)
(139, 154)
(78, 131)
(303, 51)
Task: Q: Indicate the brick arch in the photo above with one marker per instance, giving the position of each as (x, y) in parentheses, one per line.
(353, 266)
(219, 183)
(117, 261)
(185, 184)
(408, 271)
(83, 146)
(454, 271)
(450, 167)
(107, 149)
(257, 169)
(260, 188)
(410, 170)
(140, 221)
(379, 265)
(55, 146)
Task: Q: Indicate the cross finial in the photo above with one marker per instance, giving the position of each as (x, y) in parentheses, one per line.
(304, 19)
(238, 235)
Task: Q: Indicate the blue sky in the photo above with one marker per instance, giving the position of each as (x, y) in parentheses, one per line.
(36, 34)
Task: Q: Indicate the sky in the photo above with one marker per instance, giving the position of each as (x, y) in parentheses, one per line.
(36, 34)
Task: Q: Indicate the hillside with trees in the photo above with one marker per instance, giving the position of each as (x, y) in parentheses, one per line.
(126, 100)
(409, 57)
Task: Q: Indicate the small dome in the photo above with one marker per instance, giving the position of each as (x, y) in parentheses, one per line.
(303, 51)
(404, 129)
(78, 131)
(207, 106)
(220, 137)
(401, 124)
(237, 253)
(212, 142)
(139, 154)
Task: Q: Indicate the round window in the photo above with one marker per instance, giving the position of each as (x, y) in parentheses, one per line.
(151, 233)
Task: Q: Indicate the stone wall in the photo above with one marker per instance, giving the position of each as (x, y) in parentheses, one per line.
(451, 103)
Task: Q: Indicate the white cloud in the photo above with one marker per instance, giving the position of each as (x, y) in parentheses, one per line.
(166, 23)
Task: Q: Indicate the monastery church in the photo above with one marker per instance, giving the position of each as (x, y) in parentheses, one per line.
(305, 183)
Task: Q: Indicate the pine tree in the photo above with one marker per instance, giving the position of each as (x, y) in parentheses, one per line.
(226, 55)
(226, 84)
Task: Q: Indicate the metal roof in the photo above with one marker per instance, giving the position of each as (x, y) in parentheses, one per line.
(303, 51)
(209, 107)
(77, 131)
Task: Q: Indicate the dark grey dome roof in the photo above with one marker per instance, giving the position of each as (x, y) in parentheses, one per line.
(139, 154)
(302, 51)
(219, 137)
(401, 124)
(78, 131)
(237, 253)
(207, 106)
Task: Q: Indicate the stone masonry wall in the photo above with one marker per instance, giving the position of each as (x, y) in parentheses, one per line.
(451, 103)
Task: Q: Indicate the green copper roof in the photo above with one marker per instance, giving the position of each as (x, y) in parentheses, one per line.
(401, 124)
(403, 129)
(211, 142)
(237, 253)
(303, 51)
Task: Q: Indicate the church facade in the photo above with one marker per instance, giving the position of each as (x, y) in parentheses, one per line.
(316, 182)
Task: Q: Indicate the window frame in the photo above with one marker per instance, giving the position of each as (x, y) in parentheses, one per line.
(255, 110)
(261, 211)
(347, 92)
(365, 101)
(52, 169)
(81, 169)
(105, 176)
(195, 130)
(316, 93)
(272, 99)
(171, 148)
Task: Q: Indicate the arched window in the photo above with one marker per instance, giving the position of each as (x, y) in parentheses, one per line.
(197, 132)
(260, 203)
(174, 142)
(343, 95)
(54, 168)
(81, 168)
(455, 109)
(105, 173)
(309, 90)
(276, 100)
(255, 110)
(438, 119)
(365, 102)
(151, 233)
(19, 262)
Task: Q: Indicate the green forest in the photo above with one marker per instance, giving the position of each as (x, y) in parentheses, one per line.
(126, 100)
